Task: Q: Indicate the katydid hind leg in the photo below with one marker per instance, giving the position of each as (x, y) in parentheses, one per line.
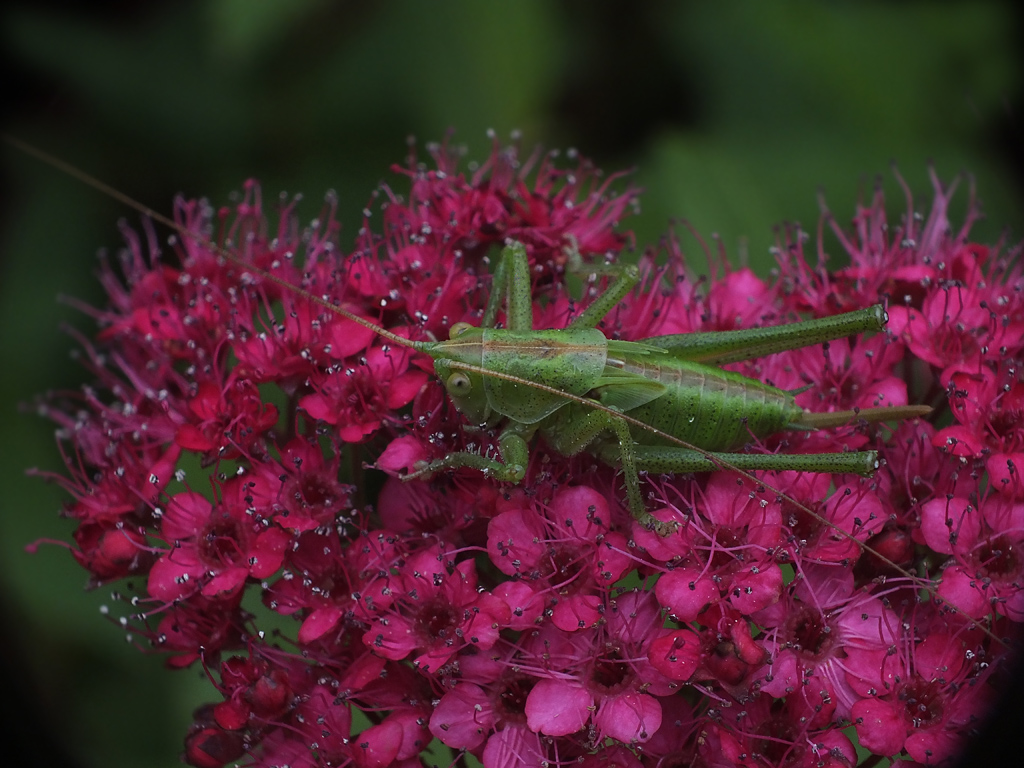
(677, 460)
(721, 347)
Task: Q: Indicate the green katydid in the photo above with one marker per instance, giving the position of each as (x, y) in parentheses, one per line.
(656, 405)
(662, 401)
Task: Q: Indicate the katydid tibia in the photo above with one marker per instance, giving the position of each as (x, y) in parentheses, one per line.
(657, 405)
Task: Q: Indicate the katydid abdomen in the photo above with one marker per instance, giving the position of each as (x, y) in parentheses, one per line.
(708, 407)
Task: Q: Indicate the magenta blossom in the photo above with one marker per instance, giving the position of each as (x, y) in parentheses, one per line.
(926, 708)
(436, 613)
(986, 571)
(821, 632)
(989, 408)
(601, 677)
(213, 550)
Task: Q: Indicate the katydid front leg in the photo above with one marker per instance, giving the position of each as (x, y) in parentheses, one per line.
(511, 468)
(512, 283)
(625, 276)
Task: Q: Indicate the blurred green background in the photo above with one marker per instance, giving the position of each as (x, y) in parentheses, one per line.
(733, 114)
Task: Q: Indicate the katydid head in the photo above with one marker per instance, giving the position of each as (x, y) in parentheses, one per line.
(465, 387)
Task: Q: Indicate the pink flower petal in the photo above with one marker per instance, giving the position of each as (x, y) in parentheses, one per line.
(377, 746)
(226, 582)
(686, 592)
(185, 516)
(949, 523)
(557, 707)
(463, 717)
(319, 622)
(755, 588)
(879, 726)
(402, 454)
(676, 655)
(630, 717)
(965, 592)
(577, 612)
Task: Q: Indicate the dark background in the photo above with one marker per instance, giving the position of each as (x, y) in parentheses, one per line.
(734, 115)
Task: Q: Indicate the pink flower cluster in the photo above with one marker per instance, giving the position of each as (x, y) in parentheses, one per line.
(238, 457)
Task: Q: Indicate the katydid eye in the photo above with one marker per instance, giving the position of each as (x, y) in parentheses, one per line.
(458, 329)
(459, 384)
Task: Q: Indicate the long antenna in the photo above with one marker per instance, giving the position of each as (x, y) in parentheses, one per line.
(145, 210)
